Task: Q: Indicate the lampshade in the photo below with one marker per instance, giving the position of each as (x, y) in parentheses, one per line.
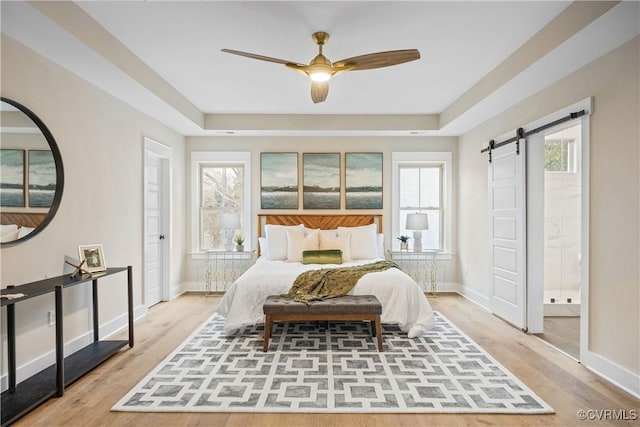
(417, 221)
(229, 221)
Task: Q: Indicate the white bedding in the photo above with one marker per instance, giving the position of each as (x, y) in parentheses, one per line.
(403, 302)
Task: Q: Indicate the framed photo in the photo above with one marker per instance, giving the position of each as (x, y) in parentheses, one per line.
(279, 180)
(12, 164)
(42, 178)
(321, 181)
(363, 180)
(93, 255)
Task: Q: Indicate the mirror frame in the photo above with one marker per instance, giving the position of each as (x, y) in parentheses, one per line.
(57, 158)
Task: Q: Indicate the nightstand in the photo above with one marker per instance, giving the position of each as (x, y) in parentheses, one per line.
(420, 266)
(224, 267)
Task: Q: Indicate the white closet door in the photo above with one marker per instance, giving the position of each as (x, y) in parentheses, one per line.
(154, 237)
(507, 233)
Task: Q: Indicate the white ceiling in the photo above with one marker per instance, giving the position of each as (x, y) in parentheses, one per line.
(178, 74)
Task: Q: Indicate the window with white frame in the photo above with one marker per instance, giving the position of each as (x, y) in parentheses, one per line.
(221, 183)
(422, 184)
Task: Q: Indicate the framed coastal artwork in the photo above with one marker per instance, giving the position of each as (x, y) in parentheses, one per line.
(321, 181)
(12, 163)
(363, 180)
(279, 180)
(42, 178)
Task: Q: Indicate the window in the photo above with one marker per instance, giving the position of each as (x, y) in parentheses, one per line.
(221, 184)
(561, 150)
(220, 192)
(559, 155)
(422, 183)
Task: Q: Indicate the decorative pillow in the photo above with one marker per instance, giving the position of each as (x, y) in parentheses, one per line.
(23, 231)
(297, 243)
(364, 241)
(9, 236)
(8, 232)
(328, 256)
(262, 244)
(8, 228)
(277, 240)
(327, 241)
(331, 234)
(381, 253)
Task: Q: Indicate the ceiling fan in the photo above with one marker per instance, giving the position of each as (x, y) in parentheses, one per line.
(320, 69)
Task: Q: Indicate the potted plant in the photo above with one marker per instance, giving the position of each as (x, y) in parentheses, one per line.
(404, 245)
(239, 239)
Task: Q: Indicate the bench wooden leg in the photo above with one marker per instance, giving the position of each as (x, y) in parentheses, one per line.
(268, 323)
(378, 333)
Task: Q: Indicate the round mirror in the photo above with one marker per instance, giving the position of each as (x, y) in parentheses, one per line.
(31, 174)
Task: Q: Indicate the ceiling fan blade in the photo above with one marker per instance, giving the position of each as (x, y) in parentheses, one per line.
(260, 57)
(319, 91)
(379, 59)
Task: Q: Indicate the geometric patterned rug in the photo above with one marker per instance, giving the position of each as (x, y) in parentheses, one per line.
(334, 367)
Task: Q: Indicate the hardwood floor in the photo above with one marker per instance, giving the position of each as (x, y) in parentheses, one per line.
(566, 385)
(564, 333)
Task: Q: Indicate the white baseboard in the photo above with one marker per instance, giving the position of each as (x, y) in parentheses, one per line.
(473, 296)
(445, 287)
(608, 370)
(47, 359)
(187, 287)
(192, 287)
(612, 372)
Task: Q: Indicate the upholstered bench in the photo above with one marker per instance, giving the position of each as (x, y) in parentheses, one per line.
(349, 307)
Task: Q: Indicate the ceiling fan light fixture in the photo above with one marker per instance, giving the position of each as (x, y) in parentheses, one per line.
(320, 75)
(320, 70)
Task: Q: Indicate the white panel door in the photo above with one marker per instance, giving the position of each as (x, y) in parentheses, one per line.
(507, 233)
(154, 236)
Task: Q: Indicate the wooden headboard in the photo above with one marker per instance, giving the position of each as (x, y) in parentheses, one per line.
(323, 222)
(22, 219)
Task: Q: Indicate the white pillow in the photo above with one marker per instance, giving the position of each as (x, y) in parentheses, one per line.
(9, 234)
(364, 241)
(23, 231)
(262, 244)
(329, 233)
(297, 242)
(331, 241)
(277, 240)
(7, 228)
(381, 253)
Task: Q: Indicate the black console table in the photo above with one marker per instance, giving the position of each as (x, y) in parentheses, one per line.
(19, 399)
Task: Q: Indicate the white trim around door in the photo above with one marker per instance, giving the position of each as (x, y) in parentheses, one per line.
(162, 155)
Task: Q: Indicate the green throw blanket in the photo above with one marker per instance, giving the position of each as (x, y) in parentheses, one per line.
(327, 283)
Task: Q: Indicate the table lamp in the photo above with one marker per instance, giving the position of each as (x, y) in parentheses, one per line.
(417, 222)
(229, 222)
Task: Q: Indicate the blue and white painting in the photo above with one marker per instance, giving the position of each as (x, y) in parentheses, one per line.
(363, 175)
(321, 180)
(12, 178)
(279, 180)
(42, 178)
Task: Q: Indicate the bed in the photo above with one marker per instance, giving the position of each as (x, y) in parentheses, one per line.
(16, 225)
(282, 241)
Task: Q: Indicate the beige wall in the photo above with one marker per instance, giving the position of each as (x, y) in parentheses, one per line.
(386, 145)
(101, 142)
(614, 291)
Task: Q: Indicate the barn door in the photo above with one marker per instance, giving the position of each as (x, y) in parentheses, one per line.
(507, 233)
